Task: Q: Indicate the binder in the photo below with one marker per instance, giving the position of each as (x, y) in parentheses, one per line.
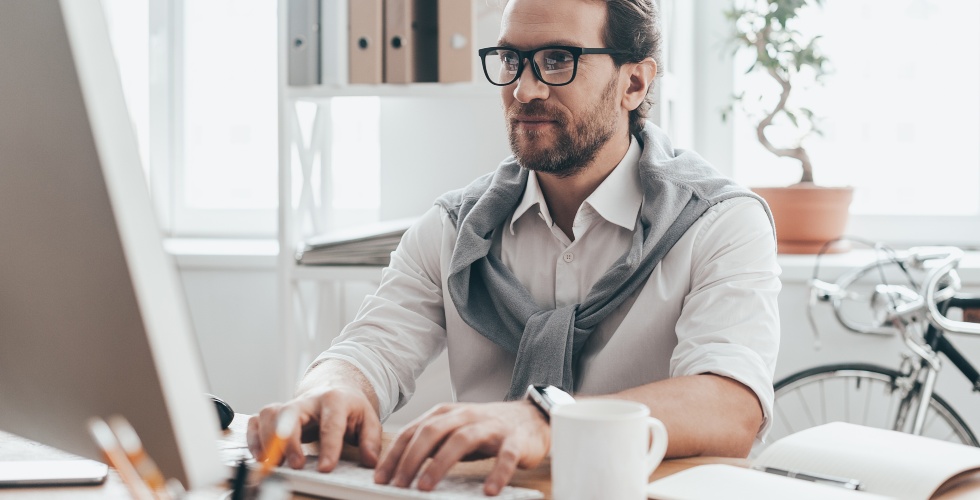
(303, 52)
(411, 35)
(333, 42)
(455, 41)
(366, 41)
(426, 31)
(399, 42)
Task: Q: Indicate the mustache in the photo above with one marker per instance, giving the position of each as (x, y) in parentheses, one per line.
(535, 109)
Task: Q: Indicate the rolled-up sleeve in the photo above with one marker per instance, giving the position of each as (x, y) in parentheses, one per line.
(729, 324)
(401, 328)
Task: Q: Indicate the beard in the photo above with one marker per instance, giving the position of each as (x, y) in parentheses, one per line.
(576, 142)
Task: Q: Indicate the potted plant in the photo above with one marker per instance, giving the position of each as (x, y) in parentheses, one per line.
(806, 215)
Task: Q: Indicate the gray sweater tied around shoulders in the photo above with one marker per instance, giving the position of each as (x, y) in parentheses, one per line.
(678, 187)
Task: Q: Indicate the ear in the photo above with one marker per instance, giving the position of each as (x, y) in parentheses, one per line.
(639, 77)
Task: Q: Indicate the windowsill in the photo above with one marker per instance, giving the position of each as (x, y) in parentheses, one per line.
(215, 253)
(252, 254)
(799, 268)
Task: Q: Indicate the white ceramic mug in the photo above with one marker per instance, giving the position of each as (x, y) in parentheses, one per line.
(601, 449)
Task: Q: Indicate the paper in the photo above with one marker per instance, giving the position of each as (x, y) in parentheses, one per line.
(366, 245)
(736, 483)
(886, 462)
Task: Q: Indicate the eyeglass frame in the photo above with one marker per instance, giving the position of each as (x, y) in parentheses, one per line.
(528, 55)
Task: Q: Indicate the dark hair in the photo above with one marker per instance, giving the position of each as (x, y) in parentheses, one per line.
(633, 26)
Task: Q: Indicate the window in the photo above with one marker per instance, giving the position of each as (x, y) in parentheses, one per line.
(901, 117)
(200, 80)
(222, 126)
(200, 83)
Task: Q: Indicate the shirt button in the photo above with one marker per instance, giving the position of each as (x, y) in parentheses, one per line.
(568, 257)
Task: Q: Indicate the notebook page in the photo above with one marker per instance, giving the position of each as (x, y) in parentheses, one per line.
(735, 483)
(886, 462)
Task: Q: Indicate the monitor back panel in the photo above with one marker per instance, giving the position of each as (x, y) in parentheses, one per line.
(76, 326)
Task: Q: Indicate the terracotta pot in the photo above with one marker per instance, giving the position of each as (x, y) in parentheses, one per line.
(808, 216)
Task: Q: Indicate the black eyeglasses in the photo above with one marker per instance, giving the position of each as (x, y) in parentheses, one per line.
(553, 65)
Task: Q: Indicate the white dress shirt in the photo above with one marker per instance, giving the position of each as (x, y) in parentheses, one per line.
(709, 306)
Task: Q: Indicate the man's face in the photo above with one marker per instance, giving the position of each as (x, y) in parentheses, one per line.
(560, 130)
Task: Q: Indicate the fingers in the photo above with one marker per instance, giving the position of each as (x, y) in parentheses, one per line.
(265, 431)
(252, 437)
(427, 439)
(330, 415)
(370, 436)
(461, 443)
(507, 460)
(386, 468)
(263, 442)
(293, 448)
(333, 427)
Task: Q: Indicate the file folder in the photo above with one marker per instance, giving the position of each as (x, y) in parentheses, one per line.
(455, 41)
(333, 42)
(366, 41)
(303, 32)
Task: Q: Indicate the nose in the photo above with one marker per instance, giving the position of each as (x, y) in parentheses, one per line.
(528, 87)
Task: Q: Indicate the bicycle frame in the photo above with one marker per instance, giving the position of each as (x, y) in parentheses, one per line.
(934, 300)
(938, 343)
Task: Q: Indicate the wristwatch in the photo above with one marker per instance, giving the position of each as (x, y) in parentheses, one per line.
(547, 397)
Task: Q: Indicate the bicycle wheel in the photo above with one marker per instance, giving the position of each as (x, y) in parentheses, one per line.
(858, 393)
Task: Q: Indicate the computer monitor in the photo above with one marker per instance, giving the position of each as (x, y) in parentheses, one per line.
(92, 320)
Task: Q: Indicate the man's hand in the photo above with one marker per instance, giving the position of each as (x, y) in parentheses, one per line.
(514, 432)
(331, 415)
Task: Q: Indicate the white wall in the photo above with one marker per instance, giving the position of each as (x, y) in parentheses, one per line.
(432, 145)
(235, 313)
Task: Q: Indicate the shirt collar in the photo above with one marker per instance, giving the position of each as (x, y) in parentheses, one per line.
(617, 199)
(532, 196)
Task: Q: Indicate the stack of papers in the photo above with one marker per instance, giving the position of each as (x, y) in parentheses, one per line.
(369, 245)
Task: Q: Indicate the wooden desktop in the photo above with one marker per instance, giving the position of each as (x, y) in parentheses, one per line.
(16, 448)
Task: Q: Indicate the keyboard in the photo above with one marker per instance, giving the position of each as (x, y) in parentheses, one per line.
(349, 481)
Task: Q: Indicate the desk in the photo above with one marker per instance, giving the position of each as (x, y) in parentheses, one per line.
(15, 448)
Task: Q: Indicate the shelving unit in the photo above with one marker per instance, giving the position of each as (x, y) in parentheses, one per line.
(316, 301)
(450, 90)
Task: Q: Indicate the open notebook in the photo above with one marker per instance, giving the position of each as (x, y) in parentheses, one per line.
(888, 464)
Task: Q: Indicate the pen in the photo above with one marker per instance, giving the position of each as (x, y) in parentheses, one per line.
(238, 482)
(843, 482)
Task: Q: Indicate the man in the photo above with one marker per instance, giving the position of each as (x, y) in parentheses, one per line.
(597, 259)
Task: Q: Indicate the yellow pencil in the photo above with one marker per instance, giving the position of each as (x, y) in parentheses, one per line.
(137, 455)
(106, 440)
(285, 425)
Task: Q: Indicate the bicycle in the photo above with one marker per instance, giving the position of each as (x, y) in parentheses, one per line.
(902, 399)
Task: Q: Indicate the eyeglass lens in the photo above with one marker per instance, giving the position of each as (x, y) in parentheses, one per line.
(555, 66)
